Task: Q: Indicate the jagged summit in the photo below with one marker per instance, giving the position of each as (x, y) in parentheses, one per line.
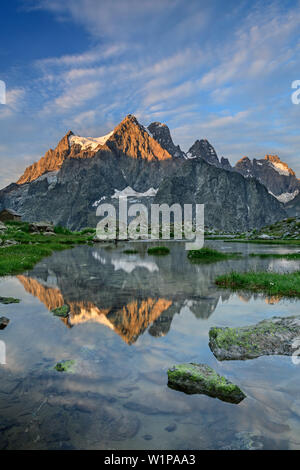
(132, 139)
(279, 179)
(279, 165)
(161, 133)
(203, 149)
(129, 138)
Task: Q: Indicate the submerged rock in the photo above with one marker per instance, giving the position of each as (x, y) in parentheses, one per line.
(3, 322)
(65, 366)
(9, 300)
(61, 311)
(275, 336)
(200, 378)
(245, 441)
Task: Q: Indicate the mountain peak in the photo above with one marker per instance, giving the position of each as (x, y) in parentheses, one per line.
(279, 165)
(132, 139)
(161, 133)
(203, 149)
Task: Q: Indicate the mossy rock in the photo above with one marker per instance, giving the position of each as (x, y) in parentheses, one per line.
(158, 250)
(9, 300)
(61, 311)
(202, 379)
(65, 366)
(275, 336)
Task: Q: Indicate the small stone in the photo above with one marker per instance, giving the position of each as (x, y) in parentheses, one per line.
(3, 322)
(148, 437)
(171, 427)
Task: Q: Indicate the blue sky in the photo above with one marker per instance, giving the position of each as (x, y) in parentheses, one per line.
(209, 69)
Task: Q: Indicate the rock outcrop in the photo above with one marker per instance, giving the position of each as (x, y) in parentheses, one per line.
(202, 379)
(275, 336)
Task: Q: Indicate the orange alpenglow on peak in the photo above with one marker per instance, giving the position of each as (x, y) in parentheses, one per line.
(280, 165)
(129, 137)
(52, 161)
(132, 139)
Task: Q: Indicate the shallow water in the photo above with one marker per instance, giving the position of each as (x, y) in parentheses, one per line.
(132, 317)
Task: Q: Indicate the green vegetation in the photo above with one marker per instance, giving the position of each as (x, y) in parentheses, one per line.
(62, 230)
(130, 252)
(277, 255)
(158, 250)
(270, 283)
(20, 250)
(208, 255)
(9, 300)
(61, 311)
(65, 366)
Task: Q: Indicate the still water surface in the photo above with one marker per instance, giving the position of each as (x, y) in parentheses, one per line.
(132, 317)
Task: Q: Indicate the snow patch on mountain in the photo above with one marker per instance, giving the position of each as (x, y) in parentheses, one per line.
(130, 192)
(286, 197)
(89, 143)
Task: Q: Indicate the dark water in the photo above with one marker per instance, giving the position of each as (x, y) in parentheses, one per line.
(132, 317)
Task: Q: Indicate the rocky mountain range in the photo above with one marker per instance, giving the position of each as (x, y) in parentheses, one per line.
(69, 182)
(280, 180)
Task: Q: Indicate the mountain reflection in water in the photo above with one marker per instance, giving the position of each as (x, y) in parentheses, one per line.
(129, 294)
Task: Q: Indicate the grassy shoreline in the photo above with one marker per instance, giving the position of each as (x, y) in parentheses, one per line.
(287, 285)
(289, 256)
(31, 248)
(263, 242)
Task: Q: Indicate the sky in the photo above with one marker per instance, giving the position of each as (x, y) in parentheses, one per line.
(207, 68)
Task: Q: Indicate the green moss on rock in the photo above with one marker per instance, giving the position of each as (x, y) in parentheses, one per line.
(61, 311)
(65, 366)
(274, 336)
(200, 378)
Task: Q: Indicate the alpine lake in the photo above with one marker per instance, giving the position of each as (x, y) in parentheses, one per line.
(132, 317)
